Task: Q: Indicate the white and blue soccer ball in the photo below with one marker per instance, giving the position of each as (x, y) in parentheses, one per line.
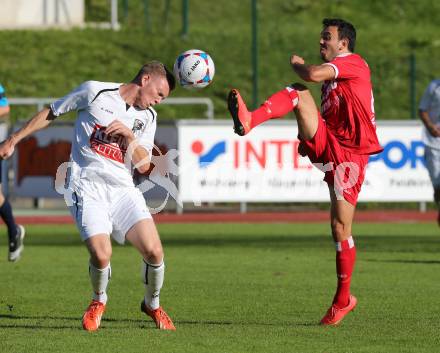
(194, 69)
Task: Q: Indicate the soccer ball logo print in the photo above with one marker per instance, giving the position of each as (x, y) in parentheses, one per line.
(194, 69)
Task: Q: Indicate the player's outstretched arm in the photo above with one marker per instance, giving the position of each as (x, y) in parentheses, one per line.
(39, 121)
(312, 73)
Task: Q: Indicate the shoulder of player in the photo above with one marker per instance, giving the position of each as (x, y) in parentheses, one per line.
(97, 88)
(354, 63)
(352, 58)
(151, 114)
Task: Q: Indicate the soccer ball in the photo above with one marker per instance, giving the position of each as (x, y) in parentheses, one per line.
(194, 69)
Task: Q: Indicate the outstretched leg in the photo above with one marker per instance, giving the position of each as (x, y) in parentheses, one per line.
(294, 97)
(276, 106)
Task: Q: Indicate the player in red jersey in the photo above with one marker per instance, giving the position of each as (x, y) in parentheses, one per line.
(338, 140)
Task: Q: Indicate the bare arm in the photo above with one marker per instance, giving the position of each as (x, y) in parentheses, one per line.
(39, 121)
(312, 73)
(433, 129)
(139, 153)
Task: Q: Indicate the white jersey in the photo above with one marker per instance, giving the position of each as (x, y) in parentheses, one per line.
(96, 155)
(431, 103)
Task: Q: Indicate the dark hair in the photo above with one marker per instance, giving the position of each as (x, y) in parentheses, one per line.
(345, 30)
(157, 68)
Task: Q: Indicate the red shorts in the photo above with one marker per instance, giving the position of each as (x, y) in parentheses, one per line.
(344, 170)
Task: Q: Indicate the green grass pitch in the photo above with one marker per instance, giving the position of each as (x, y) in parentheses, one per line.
(229, 288)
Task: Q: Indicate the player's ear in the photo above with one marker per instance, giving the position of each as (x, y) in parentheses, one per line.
(145, 79)
(343, 43)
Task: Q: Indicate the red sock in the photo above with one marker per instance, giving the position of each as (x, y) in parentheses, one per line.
(275, 106)
(345, 259)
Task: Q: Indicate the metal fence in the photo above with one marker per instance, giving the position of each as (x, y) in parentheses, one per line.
(41, 102)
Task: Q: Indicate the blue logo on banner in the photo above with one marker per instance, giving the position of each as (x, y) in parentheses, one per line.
(396, 154)
(206, 158)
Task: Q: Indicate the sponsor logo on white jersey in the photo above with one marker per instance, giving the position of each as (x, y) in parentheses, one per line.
(109, 146)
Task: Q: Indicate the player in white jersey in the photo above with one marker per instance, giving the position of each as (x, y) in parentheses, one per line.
(114, 133)
(429, 112)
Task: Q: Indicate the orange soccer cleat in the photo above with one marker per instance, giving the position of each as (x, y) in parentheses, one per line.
(92, 316)
(239, 112)
(159, 316)
(335, 315)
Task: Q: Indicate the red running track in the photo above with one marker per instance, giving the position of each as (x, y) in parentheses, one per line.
(258, 217)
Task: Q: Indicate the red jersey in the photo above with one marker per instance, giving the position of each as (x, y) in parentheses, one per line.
(347, 105)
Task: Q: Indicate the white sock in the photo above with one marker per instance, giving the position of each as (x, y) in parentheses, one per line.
(152, 276)
(99, 278)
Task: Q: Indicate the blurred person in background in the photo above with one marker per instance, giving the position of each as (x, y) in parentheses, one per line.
(429, 112)
(16, 231)
(338, 139)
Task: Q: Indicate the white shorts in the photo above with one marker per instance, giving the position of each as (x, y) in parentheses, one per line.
(106, 209)
(432, 158)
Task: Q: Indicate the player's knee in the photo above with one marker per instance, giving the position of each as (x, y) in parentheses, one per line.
(306, 102)
(154, 254)
(101, 256)
(340, 230)
(299, 87)
(305, 98)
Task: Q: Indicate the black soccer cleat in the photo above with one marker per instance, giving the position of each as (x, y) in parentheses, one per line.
(16, 248)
